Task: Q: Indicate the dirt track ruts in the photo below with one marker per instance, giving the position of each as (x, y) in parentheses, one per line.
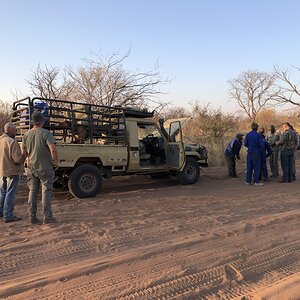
(150, 240)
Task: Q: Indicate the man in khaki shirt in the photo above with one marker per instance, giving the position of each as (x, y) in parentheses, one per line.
(11, 167)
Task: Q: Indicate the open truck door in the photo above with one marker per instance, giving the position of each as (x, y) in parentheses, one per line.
(175, 153)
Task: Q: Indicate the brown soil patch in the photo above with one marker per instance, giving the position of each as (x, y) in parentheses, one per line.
(149, 239)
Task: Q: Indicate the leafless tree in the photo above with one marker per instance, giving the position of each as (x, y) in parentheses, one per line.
(5, 114)
(101, 80)
(212, 122)
(17, 94)
(253, 91)
(49, 82)
(172, 112)
(289, 88)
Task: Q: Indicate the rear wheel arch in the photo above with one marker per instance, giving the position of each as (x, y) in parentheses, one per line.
(89, 160)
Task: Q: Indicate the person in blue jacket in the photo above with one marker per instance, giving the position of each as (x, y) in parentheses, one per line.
(265, 152)
(254, 143)
(232, 153)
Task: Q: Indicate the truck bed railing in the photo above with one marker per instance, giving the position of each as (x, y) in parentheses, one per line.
(73, 122)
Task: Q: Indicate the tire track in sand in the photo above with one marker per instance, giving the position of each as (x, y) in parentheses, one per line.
(264, 262)
(191, 285)
(24, 257)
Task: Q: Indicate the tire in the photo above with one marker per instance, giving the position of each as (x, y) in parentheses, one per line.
(85, 181)
(190, 173)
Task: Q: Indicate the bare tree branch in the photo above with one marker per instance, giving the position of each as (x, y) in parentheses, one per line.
(5, 114)
(47, 82)
(102, 80)
(213, 122)
(289, 90)
(253, 91)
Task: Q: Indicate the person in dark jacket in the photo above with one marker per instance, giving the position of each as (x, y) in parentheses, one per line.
(288, 143)
(232, 153)
(265, 152)
(296, 137)
(254, 143)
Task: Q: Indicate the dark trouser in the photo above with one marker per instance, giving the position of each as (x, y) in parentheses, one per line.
(253, 166)
(287, 159)
(263, 167)
(231, 166)
(34, 179)
(273, 160)
(294, 165)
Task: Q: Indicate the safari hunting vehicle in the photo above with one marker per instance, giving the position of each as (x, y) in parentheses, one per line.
(96, 142)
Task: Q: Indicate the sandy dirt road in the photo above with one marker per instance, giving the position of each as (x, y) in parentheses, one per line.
(148, 239)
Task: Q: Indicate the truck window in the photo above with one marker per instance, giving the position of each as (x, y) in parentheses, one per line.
(151, 146)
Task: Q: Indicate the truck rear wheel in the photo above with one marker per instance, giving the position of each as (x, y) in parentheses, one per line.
(190, 173)
(85, 181)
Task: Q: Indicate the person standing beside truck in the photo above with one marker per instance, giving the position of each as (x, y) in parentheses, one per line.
(272, 138)
(11, 167)
(40, 147)
(296, 138)
(253, 141)
(232, 153)
(287, 143)
(265, 152)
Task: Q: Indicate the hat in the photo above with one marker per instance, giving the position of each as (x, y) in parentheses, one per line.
(37, 118)
(239, 136)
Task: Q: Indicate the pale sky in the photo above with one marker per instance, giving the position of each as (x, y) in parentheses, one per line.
(200, 44)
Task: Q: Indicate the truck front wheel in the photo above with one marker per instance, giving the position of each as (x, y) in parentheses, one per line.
(190, 173)
(85, 181)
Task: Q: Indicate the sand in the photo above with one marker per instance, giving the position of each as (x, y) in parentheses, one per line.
(154, 239)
